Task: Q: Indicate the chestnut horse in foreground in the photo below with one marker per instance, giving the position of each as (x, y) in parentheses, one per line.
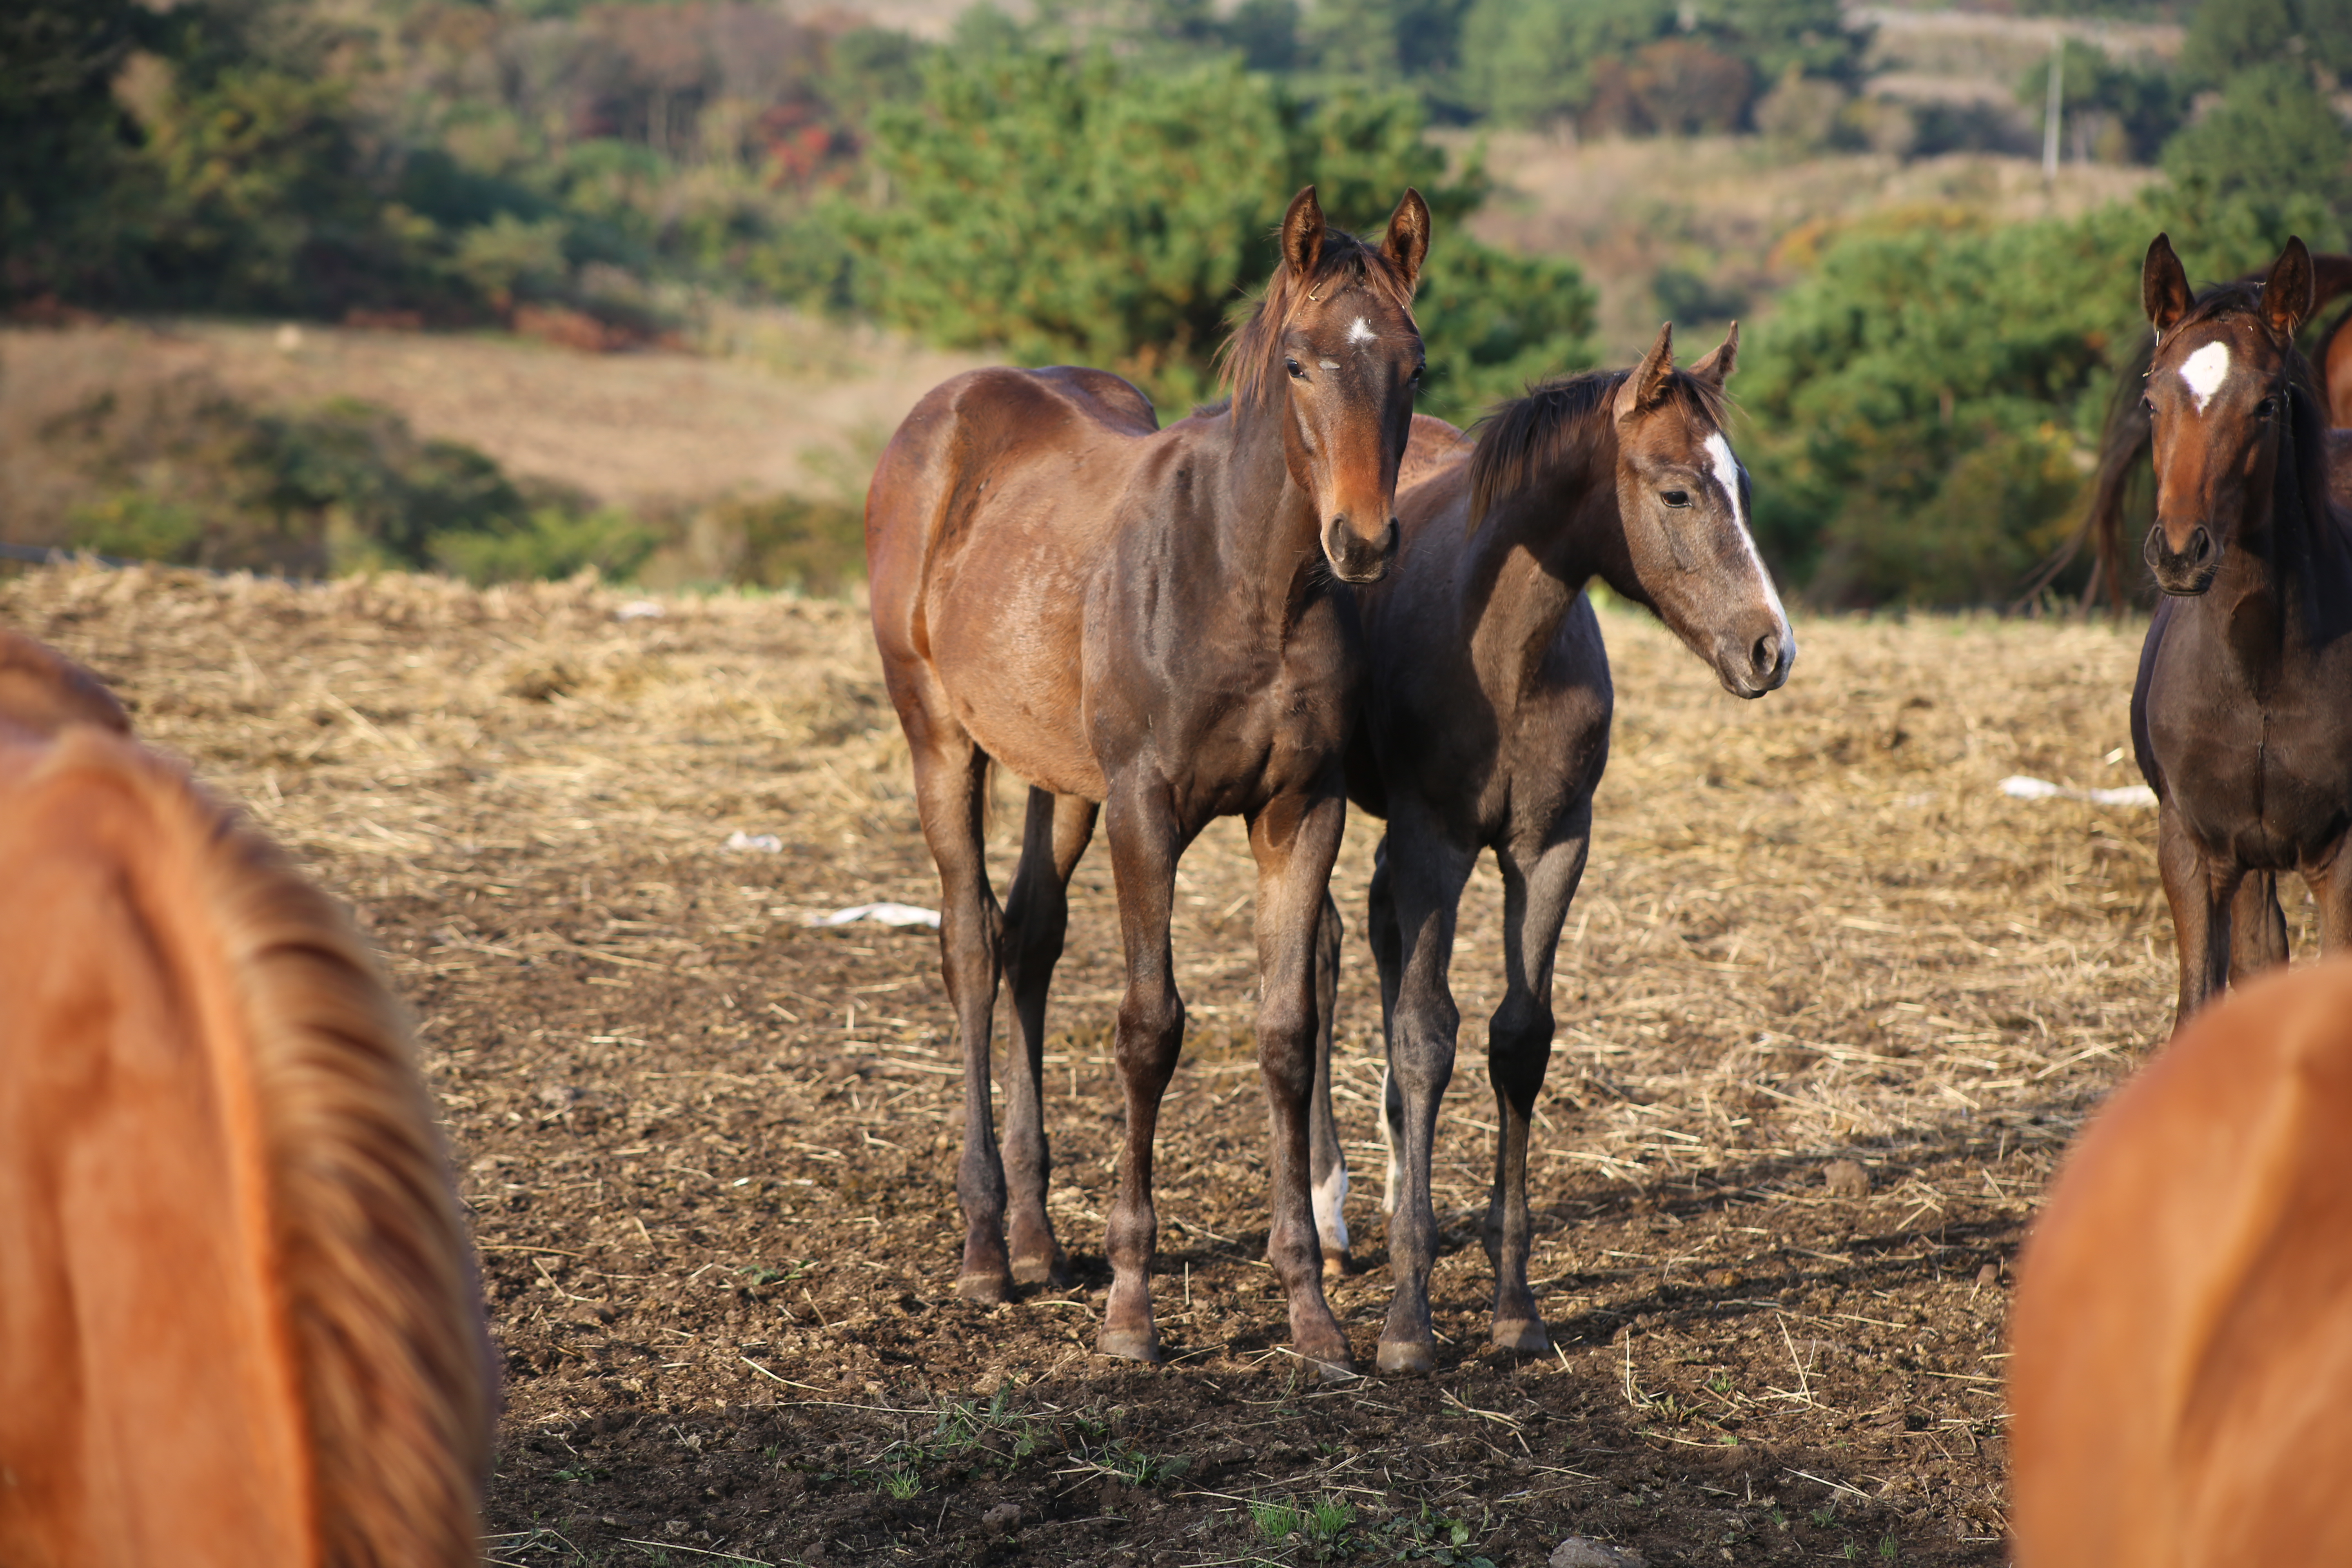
(238, 1319)
(2241, 716)
(1487, 712)
(2180, 1344)
(1144, 622)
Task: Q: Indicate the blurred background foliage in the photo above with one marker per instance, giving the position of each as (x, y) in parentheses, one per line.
(1091, 183)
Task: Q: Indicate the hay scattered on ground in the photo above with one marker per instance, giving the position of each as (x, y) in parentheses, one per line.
(1812, 930)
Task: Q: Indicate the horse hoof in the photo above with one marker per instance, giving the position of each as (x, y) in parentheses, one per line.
(1337, 1264)
(1130, 1344)
(1521, 1336)
(1404, 1356)
(1329, 1369)
(1037, 1272)
(988, 1289)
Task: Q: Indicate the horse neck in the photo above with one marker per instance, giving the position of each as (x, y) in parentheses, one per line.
(2287, 583)
(1268, 539)
(1538, 548)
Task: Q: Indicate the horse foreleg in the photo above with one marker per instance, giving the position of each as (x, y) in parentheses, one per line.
(951, 774)
(1387, 957)
(1037, 919)
(1145, 841)
(1537, 888)
(1426, 875)
(2257, 928)
(2331, 889)
(1330, 1160)
(1294, 839)
(2200, 892)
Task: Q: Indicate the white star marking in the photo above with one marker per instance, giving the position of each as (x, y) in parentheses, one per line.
(2205, 371)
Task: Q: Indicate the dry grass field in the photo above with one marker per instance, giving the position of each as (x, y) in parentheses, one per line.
(708, 1150)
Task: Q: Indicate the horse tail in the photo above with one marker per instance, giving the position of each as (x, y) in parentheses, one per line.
(2126, 442)
(242, 1322)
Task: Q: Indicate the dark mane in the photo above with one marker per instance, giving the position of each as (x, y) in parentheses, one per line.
(1519, 439)
(1254, 350)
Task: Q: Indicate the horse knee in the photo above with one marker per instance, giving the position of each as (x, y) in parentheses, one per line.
(1151, 1029)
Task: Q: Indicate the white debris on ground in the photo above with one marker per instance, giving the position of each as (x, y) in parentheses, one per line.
(2017, 786)
(880, 914)
(639, 610)
(740, 843)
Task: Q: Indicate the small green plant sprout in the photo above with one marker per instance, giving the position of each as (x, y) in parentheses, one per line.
(901, 1482)
(1825, 1516)
(1889, 1548)
(1720, 1384)
(1276, 1521)
(1327, 1518)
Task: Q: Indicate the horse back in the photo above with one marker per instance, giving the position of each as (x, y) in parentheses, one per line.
(240, 1322)
(2182, 1338)
(994, 507)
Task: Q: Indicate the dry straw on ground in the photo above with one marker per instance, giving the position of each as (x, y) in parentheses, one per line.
(1813, 931)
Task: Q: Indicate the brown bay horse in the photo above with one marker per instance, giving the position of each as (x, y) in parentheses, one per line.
(239, 1321)
(2123, 442)
(1145, 624)
(1486, 715)
(2242, 715)
(2180, 1341)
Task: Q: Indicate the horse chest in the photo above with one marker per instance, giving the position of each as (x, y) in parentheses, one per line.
(2263, 777)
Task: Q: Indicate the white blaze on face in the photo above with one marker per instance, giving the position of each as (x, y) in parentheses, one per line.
(1727, 474)
(2205, 371)
(1360, 331)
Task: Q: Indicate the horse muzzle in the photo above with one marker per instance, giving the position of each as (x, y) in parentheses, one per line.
(1751, 669)
(1355, 558)
(2188, 570)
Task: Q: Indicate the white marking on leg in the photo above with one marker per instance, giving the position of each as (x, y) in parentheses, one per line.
(1330, 1200)
(1394, 1176)
(1360, 331)
(1727, 474)
(2205, 371)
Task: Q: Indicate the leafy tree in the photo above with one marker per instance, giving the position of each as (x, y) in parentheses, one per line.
(2226, 36)
(1062, 207)
(59, 138)
(2146, 103)
(2271, 157)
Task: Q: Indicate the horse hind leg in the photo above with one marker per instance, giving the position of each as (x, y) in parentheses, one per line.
(950, 776)
(1387, 957)
(1036, 919)
(1536, 897)
(1329, 1158)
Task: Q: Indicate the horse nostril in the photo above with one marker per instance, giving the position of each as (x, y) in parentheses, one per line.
(2201, 545)
(1765, 657)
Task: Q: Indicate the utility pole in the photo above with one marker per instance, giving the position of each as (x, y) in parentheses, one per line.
(2053, 110)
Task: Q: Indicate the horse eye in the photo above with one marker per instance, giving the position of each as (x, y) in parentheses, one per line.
(2148, 407)
(2266, 408)
(1676, 498)
(1415, 377)
(1297, 370)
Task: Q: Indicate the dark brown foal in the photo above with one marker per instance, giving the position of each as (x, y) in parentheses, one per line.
(2240, 717)
(1146, 622)
(1487, 712)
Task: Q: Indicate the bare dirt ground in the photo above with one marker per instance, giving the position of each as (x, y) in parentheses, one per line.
(708, 1155)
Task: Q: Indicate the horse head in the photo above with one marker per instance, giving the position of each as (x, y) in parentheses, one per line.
(2219, 390)
(1683, 497)
(1339, 325)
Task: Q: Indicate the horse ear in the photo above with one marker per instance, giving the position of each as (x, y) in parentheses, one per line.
(1715, 368)
(1302, 233)
(1408, 237)
(2163, 286)
(1647, 386)
(2287, 292)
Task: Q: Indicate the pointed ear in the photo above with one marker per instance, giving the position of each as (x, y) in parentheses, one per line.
(2164, 286)
(1408, 237)
(1720, 361)
(1302, 234)
(1647, 386)
(2287, 292)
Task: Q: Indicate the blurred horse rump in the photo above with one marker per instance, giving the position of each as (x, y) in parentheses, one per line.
(2180, 1368)
(239, 1320)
